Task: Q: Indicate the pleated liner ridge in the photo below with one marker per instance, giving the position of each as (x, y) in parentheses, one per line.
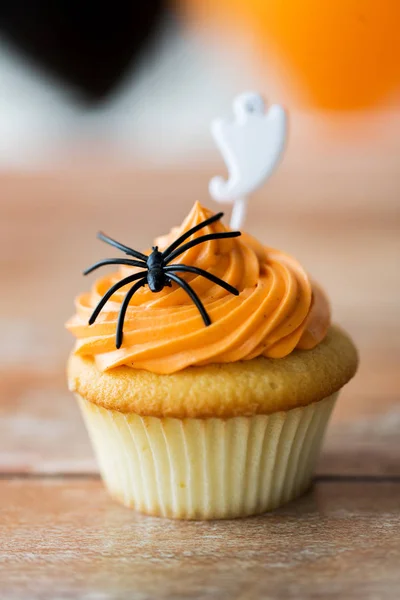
(207, 468)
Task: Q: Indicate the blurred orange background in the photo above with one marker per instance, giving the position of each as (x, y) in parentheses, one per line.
(334, 54)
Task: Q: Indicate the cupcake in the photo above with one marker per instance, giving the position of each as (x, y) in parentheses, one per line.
(206, 379)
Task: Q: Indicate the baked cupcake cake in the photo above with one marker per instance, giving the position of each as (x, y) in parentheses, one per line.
(207, 373)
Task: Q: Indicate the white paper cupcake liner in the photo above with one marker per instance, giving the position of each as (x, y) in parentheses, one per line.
(207, 468)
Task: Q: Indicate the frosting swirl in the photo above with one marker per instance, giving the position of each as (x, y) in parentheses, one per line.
(278, 309)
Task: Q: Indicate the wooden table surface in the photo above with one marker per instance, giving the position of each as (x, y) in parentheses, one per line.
(61, 536)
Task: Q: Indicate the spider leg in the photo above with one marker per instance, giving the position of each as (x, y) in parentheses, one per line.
(185, 286)
(203, 273)
(122, 312)
(200, 240)
(111, 291)
(114, 261)
(190, 232)
(104, 238)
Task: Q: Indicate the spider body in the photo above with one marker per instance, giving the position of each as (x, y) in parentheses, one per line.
(156, 277)
(159, 271)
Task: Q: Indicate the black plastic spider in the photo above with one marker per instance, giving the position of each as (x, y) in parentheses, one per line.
(159, 272)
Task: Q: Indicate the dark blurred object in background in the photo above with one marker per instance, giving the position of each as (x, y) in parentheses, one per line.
(88, 44)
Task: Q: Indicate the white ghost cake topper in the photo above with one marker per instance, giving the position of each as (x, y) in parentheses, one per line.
(251, 145)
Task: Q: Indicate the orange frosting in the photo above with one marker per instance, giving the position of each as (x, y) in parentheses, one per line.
(278, 309)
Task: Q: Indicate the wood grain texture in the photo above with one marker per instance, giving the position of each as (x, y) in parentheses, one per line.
(68, 540)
